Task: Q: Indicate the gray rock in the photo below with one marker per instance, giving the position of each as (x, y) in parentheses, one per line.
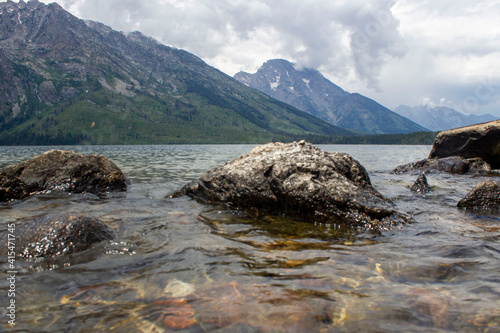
(58, 235)
(484, 195)
(421, 185)
(453, 164)
(482, 140)
(61, 170)
(298, 180)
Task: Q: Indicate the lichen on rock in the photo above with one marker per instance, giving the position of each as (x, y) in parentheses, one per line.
(298, 180)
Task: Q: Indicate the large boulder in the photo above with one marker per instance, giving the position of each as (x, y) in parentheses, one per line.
(482, 140)
(453, 164)
(61, 170)
(484, 195)
(298, 180)
(57, 235)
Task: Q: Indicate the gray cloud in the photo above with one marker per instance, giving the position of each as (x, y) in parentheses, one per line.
(317, 33)
(375, 41)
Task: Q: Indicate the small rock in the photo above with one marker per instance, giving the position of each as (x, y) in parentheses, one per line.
(484, 195)
(58, 235)
(176, 314)
(421, 185)
(176, 288)
(61, 170)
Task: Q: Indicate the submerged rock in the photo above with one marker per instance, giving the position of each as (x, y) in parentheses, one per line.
(57, 235)
(484, 195)
(176, 288)
(453, 164)
(421, 185)
(298, 180)
(174, 314)
(481, 140)
(61, 170)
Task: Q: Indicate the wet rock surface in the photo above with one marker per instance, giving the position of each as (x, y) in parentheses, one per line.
(453, 164)
(298, 180)
(481, 140)
(61, 170)
(50, 236)
(484, 195)
(421, 185)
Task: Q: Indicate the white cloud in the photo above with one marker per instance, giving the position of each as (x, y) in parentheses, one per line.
(454, 47)
(394, 51)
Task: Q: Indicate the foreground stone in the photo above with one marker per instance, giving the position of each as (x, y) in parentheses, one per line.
(484, 195)
(421, 185)
(61, 170)
(57, 235)
(298, 180)
(482, 140)
(453, 164)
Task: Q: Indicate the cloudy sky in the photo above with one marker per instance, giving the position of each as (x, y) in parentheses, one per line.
(442, 52)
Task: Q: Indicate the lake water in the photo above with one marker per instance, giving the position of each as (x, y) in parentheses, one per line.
(177, 264)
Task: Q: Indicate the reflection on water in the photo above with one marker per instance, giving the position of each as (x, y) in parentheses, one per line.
(179, 265)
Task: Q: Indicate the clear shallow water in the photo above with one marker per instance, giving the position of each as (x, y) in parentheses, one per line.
(176, 264)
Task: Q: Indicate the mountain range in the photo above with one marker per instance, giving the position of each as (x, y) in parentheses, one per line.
(308, 90)
(440, 118)
(66, 80)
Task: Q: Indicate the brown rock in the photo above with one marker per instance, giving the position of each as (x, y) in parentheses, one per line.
(484, 195)
(176, 313)
(481, 140)
(61, 170)
(298, 180)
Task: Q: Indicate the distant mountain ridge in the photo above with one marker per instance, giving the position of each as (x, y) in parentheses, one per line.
(65, 80)
(440, 118)
(309, 91)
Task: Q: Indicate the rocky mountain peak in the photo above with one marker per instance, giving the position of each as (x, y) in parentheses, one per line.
(283, 77)
(308, 90)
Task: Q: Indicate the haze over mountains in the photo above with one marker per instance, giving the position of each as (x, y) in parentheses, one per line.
(309, 91)
(440, 118)
(65, 80)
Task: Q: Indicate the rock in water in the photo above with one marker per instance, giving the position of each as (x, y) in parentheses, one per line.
(298, 180)
(176, 288)
(421, 185)
(57, 235)
(453, 164)
(61, 170)
(484, 195)
(481, 140)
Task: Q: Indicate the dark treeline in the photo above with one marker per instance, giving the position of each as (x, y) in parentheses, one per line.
(417, 138)
(30, 138)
